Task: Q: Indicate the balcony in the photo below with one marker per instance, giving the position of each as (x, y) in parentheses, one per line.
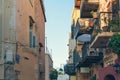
(87, 7)
(92, 57)
(83, 26)
(89, 56)
(109, 24)
(101, 40)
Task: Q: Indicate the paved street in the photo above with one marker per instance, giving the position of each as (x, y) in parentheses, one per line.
(63, 77)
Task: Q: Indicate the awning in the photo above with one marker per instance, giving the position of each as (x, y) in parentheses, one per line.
(84, 38)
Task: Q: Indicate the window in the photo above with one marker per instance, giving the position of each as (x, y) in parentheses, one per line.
(34, 41)
(32, 35)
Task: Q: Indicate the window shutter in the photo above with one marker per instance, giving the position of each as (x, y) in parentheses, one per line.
(17, 58)
(31, 39)
(34, 41)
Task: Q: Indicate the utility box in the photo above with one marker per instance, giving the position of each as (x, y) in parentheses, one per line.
(9, 58)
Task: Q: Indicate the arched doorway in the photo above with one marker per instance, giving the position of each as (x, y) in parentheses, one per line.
(109, 77)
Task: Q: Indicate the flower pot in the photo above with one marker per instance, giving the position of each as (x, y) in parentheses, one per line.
(95, 15)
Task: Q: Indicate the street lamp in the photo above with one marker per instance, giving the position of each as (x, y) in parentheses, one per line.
(117, 68)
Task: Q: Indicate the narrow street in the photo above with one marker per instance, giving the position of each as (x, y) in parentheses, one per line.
(59, 39)
(63, 77)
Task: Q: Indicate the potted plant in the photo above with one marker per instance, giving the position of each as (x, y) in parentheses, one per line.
(54, 74)
(94, 14)
(114, 26)
(114, 44)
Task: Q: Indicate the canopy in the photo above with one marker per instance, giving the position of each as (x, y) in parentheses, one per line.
(84, 38)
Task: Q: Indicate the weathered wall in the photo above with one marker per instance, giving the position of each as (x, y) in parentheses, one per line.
(1, 70)
(30, 69)
(7, 33)
(108, 71)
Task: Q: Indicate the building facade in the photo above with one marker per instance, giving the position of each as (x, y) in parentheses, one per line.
(48, 66)
(23, 39)
(91, 29)
(7, 38)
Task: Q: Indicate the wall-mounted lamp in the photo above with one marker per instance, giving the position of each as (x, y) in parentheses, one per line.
(40, 46)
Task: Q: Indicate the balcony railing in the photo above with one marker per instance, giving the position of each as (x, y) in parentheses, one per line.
(69, 69)
(90, 55)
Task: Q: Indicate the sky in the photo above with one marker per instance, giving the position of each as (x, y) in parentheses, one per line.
(57, 29)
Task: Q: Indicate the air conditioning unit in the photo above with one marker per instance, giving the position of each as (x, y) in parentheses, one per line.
(9, 57)
(92, 52)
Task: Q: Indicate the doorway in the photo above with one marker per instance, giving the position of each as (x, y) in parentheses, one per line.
(109, 77)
